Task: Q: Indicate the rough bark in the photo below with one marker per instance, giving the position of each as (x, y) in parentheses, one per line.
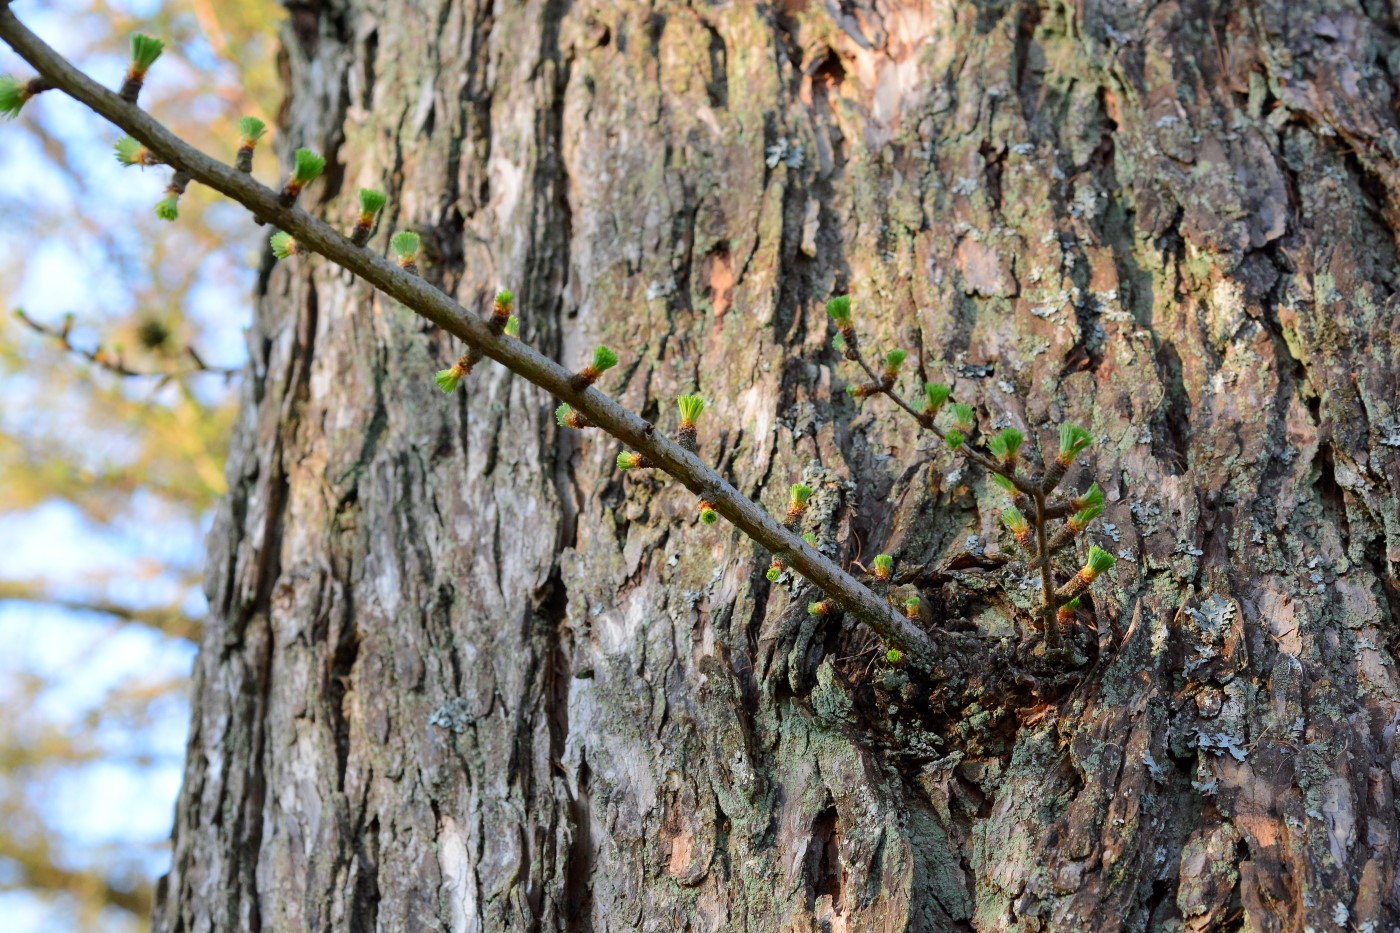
(462, 676)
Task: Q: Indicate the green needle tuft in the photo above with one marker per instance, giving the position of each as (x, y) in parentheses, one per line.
(954, 438)
(371, 201)
(935, 395)
(513, 327)
(283, 245)
(1091, 499)
(840, 310)
(1073, 439)
(168, 208)
(130, 152)
(1084, 516)
(1005, 444)
(307, 166)
(405, 244)
(884, 566)
(708, 515)
(250, 130)
(963, 416)
(894, 656)
(603, 360)
(1004, 482)
(449, 379)
(895, 359)
(627, 460)
(773, 574)
(838, 343)
(1100, 561)
(1015, 521)
(144, 52)
(13, 96)
(691, 407)
(799, 493)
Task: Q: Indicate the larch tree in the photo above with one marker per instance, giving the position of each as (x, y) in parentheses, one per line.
(463, 674)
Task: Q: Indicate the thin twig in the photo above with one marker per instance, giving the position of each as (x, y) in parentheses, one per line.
(113, 362)
(316, 236)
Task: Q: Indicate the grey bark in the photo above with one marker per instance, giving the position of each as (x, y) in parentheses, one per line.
(460, 675)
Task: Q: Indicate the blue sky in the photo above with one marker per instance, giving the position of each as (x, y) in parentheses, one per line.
(122, 803)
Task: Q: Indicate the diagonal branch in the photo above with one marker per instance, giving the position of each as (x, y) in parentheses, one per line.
(316, 236)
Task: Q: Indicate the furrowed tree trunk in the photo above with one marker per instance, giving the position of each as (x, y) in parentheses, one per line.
(463, 675)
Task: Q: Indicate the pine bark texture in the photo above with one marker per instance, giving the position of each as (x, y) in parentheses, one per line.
(462, 675)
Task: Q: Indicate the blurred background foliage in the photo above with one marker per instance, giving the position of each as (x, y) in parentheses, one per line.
(107, 482)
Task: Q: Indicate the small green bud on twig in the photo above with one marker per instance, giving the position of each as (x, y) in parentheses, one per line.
(513, 327)
(1073, 439)
(893, 360)
(14, 95)
(820, 608)
(911, 607)
(1004, 482)
(144, 52)
(1020, 528)
(405, 246)
(775, 570)
(883, 566)
(691, 407)
(1065, 614)
(935, 395)
(840, 310)
(250, 132)
(129, 152)
(1006, 444)
(501, 311)
(894, 657)
(964, 417)
(627, 460)
(954, 438)
(798, 494)
(284, 245)
(708, 515)
(169, 207)
(307, 166)
(568, 417)
(450, 378)
(1098, 563)
(371, 203)
(603, 360)
(838, 343)
(864, 390)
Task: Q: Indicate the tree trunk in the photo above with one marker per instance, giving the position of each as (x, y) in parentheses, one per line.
(463, 675)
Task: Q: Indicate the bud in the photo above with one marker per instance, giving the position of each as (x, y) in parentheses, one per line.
(567, 417)
(627, 460)
(283, 245)
(14, 95)
(894, 657)
(1073, 439)
(1006, 444)
(371, 203)
(707, 513)
(884, 566)
(603, 360)
(500, 311)
(963, 417)
(144, 52)
(954, 438)
(822, 608)
(935, 395)
(798, 494)
(1099, 563)
(513, 327)
(691, 407)
(250, 131)
(129, 152)
(911, 607)
(893, 360)
(405, 245)
(307, 166)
